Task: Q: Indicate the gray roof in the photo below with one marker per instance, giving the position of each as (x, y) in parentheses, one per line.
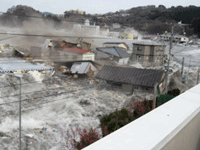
(115, 43)
(115, 51)
(12, 65)
(80, 67)
(147, 42)
(22, 51)
(134, 76)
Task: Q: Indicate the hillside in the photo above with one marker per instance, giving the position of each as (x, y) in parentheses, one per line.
(152, 19)
(149, 19)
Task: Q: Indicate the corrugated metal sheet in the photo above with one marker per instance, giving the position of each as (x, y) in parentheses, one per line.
(80, 67)
(135, 76)
(12, 65)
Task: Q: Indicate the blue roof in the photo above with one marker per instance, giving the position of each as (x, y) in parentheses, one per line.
(115, 51)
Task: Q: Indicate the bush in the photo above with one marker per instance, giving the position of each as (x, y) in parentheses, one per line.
(115, 120)
(141, 108)
(87, 138)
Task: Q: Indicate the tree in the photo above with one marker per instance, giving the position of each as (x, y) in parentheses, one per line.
(87, 138)
(161, 7)
(115, 120)
(141, 108)
(196, 25)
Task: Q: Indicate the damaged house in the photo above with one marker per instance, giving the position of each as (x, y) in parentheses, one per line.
(83, 69)
(130, 79)
(116, 54)
(75, 54)
(33, 52)
(68, 51)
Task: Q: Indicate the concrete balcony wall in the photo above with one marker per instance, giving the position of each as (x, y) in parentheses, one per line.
(173, 126)
(188, 138)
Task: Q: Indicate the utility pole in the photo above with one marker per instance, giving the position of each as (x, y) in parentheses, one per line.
(182, 67)
(188, 69)
(20, 83)
(198, 75)
(155, 95)
(20, 117)
(170, 48)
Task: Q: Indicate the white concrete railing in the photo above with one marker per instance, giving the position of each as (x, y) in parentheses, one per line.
(173, 126)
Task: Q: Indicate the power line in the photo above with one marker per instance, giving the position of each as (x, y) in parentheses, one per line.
(35, 82)
(45, 102)
(87, 87)
(131, 77)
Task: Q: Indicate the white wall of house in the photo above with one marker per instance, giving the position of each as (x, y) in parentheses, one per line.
(88, 56)
(127, 87)
(123, 61)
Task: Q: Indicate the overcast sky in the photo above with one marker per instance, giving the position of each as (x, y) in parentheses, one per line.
(91, 6)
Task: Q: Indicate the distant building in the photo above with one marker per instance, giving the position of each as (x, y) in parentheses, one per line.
(130, 79)
(148, 53)
(81, 12)
(118, 44)
(114, 34)
(175, 38)
(128, 36)
(86, 29)
(117, 54)
(116, 26)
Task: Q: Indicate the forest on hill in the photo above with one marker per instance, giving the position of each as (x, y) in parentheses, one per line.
(149, 19)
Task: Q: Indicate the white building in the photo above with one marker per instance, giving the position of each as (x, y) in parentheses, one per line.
(86, 29)
(176, 38)
(116, 26)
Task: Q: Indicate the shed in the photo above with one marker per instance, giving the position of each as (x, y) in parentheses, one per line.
(82, 67)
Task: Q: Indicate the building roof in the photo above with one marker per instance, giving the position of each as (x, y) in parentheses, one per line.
(115, 51)
(117, 43)
(80, 67)
(135, 76)
(75, 50)
(22, 51)
(147, 42)
(12, 65)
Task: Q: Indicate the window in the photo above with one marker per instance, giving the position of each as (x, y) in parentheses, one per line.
(139, 48)
(138, 57)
